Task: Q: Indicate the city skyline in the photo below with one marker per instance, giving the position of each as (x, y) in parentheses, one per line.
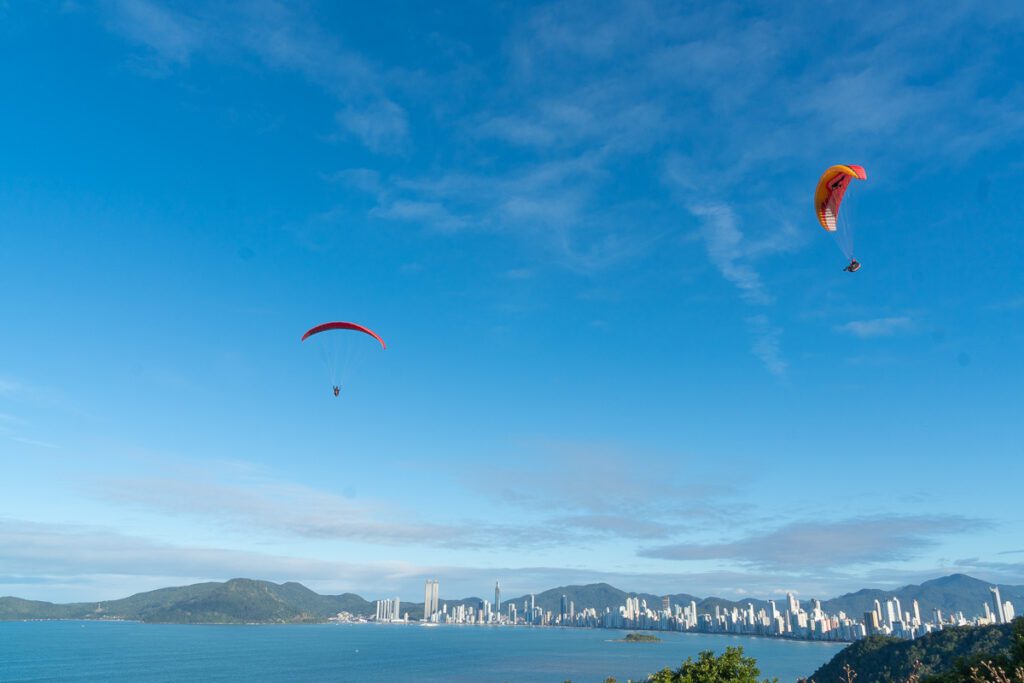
(793, 622)
(620, 346)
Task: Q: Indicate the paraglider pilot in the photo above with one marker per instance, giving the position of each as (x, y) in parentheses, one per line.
(337, 390)
(853, 267)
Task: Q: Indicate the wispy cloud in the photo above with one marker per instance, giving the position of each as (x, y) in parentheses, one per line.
(78, 554)
(1014, 304)
(595, 491)
(382, 125)
(433, 214)
(172, 36)
(727, 250)
(820, 544)
(32, 442)
(733, 255)
(283, 36)
(767, 343)
(87, 562)
(877, 327)
(275, 508)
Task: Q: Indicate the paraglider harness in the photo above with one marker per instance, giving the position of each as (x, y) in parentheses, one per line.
(853, 267)
(337, 390)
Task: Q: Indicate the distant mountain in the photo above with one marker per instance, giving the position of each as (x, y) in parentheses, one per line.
(235, 601)
(249, 601)
(596, 595)
(602, 595)
(953, 593)
(945, 656)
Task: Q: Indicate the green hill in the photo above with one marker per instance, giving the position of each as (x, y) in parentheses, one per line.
(945, 656)
(234, 601)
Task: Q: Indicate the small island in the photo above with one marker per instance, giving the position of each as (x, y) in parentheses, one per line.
(641, 638)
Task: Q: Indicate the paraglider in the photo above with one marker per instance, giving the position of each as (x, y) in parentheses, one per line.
(331, 347)
(828, 197)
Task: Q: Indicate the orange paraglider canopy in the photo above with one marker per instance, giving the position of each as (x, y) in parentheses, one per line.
(831, 188)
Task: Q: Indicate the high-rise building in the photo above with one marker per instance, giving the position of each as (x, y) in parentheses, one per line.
(430, 593)
(997, 603)
(564, 607)
(871, 622)
(666, 604)
(794, 604)
(497, 598)
(388, 610)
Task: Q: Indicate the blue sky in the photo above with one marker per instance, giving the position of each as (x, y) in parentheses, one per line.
(620, 346)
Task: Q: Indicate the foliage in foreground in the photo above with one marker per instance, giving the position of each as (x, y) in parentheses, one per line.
(731, 667)
(953, 655)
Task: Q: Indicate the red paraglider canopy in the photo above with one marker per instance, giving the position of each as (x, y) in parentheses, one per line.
(343, 326)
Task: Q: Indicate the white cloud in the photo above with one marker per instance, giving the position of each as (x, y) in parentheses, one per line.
(173, 36)
(283, 36)
(382, 125)
(727, 250)
(767, 344)
(877, 327)
(828, 544)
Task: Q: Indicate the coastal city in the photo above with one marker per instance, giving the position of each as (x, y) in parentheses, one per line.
(789, 621)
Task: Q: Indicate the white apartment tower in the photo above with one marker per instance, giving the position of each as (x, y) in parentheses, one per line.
(997, 602)
(430, 591)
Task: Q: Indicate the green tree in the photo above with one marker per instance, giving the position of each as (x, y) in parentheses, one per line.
(731, 667)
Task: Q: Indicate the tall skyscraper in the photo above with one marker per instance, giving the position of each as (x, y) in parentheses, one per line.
(997, 602)
(497, 598)
(389, 610)
(564, 607)
(430, 592)
(871, 622)
(794, 604)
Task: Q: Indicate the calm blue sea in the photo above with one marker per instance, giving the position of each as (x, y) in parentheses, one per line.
(124, 651)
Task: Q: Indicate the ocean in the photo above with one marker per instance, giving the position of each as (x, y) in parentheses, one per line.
(129, 651)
